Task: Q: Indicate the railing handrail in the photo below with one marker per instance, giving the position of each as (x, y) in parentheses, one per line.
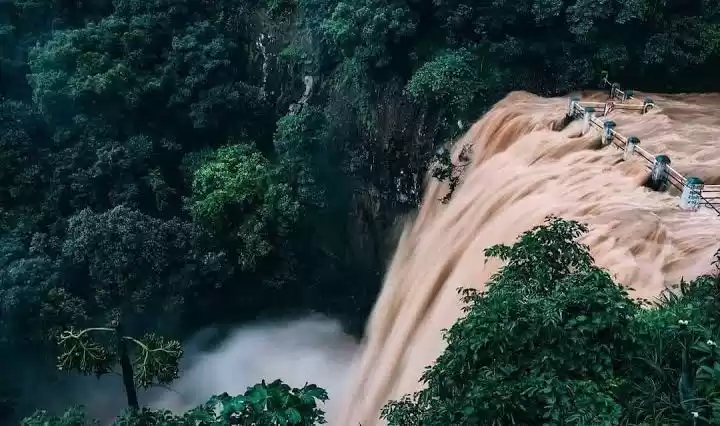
(709, 195)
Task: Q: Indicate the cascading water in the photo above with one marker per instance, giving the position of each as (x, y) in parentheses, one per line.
(521, 171)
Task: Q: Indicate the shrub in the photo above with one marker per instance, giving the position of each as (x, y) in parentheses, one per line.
(553, 340)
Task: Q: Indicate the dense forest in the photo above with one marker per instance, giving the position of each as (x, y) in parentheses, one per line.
(169, 164)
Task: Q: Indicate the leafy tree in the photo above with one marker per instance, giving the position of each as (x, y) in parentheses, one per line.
(373, 30)
(74, 416)
(129, 94)
(101, 102)
(450, 78)
(132, 268)
(156, 359)
(552, 340)
(241, 196)
(539, 346)
(674, 377)
(298, 142)
(274, 403)
(24, 140)
(264, 404)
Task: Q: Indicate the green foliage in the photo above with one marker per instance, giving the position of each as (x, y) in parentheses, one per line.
(263, 404)
(538, 347)
(273, 404)
(116, 194)
(240, 194)
(155, 361)
(449, 78)
(370, 29)
(147, 417)
(124, 260)
(128, 94)
(673, 380)
(146, 52)
(27, 294)
(446, 171)
(552, 340)
(74, 416)
(23, 140)
(280, 7)
(298, 142)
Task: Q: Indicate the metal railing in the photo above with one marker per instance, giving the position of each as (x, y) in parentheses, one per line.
(694, 193)
(710, 196)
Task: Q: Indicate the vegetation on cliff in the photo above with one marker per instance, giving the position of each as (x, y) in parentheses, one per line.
(170, 164)
(551, 340)
(554, 341)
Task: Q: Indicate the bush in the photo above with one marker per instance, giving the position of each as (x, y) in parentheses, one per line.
(553, 340)
(267, 404)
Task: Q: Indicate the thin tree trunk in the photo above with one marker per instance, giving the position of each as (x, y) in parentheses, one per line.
(127, 370)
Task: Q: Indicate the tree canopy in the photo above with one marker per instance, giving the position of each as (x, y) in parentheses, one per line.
(553, 340)
(239, 159)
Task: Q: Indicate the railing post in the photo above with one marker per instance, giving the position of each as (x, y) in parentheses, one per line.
(628, 95)
(607, 135)
(690, 198)
(609, 106)
(632, 142)
(648, 104)
(571, 105)
(589, 113)
(659, 175)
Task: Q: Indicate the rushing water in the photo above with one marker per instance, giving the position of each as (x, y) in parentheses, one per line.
(522, 171)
